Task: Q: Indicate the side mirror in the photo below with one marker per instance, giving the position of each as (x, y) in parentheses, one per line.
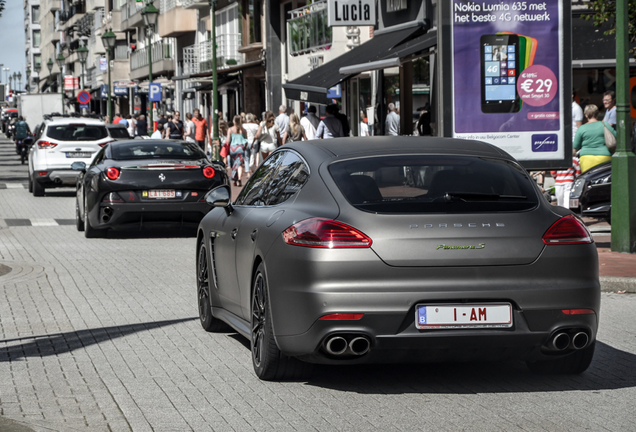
(78, 166)
(220, 197)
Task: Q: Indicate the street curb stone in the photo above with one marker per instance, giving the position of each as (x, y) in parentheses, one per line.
(616, 284)
(8, 425)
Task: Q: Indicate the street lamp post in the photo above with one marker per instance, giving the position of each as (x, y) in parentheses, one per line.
(60, 63)
(109, 40)
(624, 160)
(49, 66)
(150, 15)
(82, 52)
(28, 78)
(6, 74)
(37, 68)
(10, 82)
(20, 81)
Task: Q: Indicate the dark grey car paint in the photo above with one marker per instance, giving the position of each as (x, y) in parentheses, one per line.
(388, 280)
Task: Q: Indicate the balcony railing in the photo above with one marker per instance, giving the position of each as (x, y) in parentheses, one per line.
(166, 5)
(187, 4)
(160, 51)
(198, 58)
(308, 29)
(98, 19)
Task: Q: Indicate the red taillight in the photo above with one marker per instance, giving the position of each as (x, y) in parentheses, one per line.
(112, 197)
(342, 316)
(208, 172)
(42, 173)
(106, 143)
(112, 173)
(46, 144)
(577, 311)
(325, 233)
(568, 230)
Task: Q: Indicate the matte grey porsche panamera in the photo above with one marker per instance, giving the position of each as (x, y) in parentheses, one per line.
(397, 249)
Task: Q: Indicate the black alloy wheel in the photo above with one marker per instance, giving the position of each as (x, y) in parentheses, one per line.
(269, 363)
(572, 364)
(79, 223)
(208, 322)
(30, 184)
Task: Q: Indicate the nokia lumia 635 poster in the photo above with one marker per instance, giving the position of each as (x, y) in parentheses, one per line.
(507, 73)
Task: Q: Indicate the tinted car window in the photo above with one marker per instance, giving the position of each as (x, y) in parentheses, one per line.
(291, 175)
(119, 132)
(257, 188)
(77, 132)
(434, 184)
(155, 150)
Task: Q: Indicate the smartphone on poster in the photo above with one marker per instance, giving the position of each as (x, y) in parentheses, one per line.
(500, 64)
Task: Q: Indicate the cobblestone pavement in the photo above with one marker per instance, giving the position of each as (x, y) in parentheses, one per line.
(103, 335)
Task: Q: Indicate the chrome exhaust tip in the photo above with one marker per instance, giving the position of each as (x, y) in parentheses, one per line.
(336, 345)
(108, 210)
(580, 340)
(360, 346)
(559, 342)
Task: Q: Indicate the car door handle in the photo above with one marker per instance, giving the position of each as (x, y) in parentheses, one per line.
(234, 233)
(253, 235)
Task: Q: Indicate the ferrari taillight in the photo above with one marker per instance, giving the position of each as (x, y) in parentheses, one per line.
(568, 230)
(46, 144)
(208, 172)
(112, 197)
(325, 233)
(112, 173)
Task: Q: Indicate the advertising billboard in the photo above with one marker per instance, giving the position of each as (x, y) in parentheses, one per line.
(511, 77)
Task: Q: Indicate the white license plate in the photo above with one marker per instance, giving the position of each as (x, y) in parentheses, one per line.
(78, 154)
(463, 316)
(574, 203)
(161, 193)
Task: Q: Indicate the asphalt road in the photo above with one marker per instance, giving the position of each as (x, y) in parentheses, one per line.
(103, 335)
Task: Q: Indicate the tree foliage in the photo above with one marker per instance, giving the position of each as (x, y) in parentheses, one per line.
(1, 6)
(604, 12)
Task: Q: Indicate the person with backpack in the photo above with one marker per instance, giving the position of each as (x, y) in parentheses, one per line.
(21, 132)
(175, 127)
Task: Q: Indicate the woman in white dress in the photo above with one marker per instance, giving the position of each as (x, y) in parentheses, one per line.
(269, 134)
(254, 159)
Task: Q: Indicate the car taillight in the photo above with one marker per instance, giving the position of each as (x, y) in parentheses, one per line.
(342, 316)
(208, 172)
(112, 173)
(577, 311)
(325, 233)
(568, 230)
(112, 197)
(46, 144)
(106, 143)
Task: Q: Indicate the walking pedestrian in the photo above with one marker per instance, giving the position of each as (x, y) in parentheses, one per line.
(252, 154)
(392, 122)
(158, 134)
(175, 127)
(268, 134)
(310, 123)
(364, 127)
(590, 139)
(132, 125)
(330, 126)
(563, 180)
(283, 119)
(201, 128)
(609, 102)
(236, 139)
(142, 126)
(295, 131)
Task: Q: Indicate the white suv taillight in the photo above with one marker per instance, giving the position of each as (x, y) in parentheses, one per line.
(568, 230)
(106, 143)
(46, 144)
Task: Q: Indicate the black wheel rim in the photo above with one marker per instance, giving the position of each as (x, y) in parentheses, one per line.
(86, 225)
(259, 304)
(203, 285)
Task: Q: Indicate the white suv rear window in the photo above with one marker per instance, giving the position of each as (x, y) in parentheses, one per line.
(77, 132)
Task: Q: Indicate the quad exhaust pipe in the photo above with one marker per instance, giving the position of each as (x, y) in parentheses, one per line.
(337, 345)
(107, 212)
(563, 340)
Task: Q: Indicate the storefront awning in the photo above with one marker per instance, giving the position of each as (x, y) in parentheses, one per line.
(382, 51)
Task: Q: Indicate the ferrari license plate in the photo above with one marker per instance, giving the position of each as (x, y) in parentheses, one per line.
(574, 203)
(162, 193)
(463, 316)
(78, 154)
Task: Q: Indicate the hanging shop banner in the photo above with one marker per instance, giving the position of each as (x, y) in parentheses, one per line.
(350, 12)
(120, 91)
(510, 86)
(71, 83)
(103, 64)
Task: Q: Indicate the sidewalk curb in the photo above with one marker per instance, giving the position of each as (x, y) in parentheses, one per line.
(9, 425)
(616, 284)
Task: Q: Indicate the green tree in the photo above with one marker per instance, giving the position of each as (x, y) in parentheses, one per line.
(604, 11)
(1, 6)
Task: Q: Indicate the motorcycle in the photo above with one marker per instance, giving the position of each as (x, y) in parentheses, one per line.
(23, 146)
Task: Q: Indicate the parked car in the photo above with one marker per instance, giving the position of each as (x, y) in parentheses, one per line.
(591, 194)
(143, 182)
(118, 132)
(401, 249)
(60, 142)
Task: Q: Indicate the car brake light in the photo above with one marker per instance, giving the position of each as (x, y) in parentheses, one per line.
(42, 173)
(208, 172)
(46, 144)
(112, 197)
(342, 316)
(568, 230)
(577, 311)
(325, 233)
(112, 173)
(104, 144)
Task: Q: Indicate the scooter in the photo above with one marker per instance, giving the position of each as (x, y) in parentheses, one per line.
(24, 145)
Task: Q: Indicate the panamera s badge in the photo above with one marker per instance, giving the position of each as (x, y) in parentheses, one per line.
(447, 247)
(162, 177)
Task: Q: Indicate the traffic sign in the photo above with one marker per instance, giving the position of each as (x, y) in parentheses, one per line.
(154, 92)
(83, 97)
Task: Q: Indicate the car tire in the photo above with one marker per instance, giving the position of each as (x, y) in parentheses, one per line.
(89, 231)
(38, 189)
(269, 363)
(79, 223)
(30, 184)
(575, 363)
(208, 322)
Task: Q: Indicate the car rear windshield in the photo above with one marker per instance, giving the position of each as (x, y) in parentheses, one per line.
(77, 132)
(434, 184)
(156, 150)
(119, 132)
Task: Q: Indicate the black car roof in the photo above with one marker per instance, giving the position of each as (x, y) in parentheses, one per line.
(404, 144)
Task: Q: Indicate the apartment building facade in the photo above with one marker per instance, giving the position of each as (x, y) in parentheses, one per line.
(33, 41)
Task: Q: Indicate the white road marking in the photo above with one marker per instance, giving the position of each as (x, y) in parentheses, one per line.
(43, 222)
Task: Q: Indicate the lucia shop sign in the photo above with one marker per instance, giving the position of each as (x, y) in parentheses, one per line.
(351, 12)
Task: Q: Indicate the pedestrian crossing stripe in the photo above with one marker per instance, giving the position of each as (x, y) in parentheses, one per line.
(37, 222)
(13, 185)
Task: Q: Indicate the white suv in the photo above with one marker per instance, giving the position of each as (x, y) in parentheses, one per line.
(61, 142)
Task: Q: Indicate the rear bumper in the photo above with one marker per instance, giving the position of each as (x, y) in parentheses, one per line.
(57, 178)
(110, 215)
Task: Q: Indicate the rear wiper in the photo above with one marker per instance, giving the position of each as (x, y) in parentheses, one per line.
(472, 196)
